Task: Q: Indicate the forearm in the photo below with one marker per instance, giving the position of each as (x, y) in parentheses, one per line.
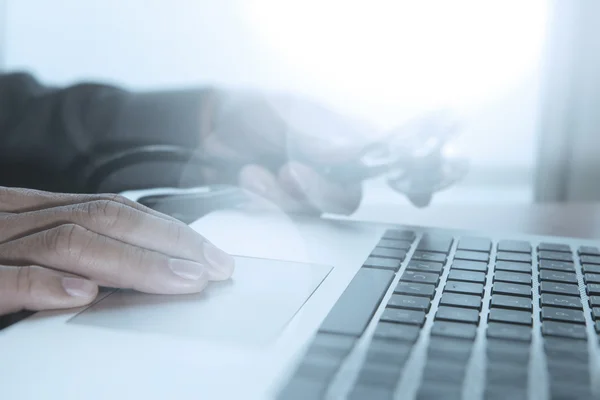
(45, 131)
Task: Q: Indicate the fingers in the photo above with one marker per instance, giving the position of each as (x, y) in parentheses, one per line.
(298, 188)
(263, 183)
(326, 195)
(35, 288)
(322, 194)
(16, 200)
(125, 224)
(74, 249)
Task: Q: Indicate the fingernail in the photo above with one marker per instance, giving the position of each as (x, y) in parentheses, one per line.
(77, 287)
(187, 269)
(218, 259)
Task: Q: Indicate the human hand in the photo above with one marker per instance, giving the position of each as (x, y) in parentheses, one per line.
(55, 249)
(275, 139)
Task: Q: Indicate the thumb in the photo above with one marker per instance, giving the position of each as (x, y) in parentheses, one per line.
(36, 288)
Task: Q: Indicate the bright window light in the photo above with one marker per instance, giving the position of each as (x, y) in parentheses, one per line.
(404, 56)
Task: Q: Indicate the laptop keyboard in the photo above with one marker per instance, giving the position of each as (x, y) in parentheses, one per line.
(480, 282)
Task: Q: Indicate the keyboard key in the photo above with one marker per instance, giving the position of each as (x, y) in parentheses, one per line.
(389, 331)
(570, 357)
(354, 309)
(513, 266)
(595, 313)
(514, 246)
(496, 330)
(555, 255)
(590, 259)
(594, 301)
(569, 371)
(427, 266)
(562, 314)
(591, 278)
(558, 276)
(440, 371)
(326, 352)
(566, 266)
(569, 351)
(400, 351)
(461, 300)
(510, 256)
(470, 265)
(454, 329)
(399, 235)
(592, 288)
(428, 256)
(436, 392)
(471, 255)
(378, 376)
(513, 377)
(597, 327)
(360, 392)
(507, 351)
(564, 248)
(510, 316)
(332, 345)
(464, 288)
(382, 263)
(559, 288)
(388, 353)
(337, 341)
(591, 268)
(556, 300)
(409, 302)
(449, 349)
(303, 388)
(467, 276)
(391, 359)
(512, 302)
(456, 314)
(560, 390)
(319, 366)
(420, 277)
(503, 393)
(384, 252)
(394, 244)
(569, 346)
(416, 289)
(475, 244)
(511, 289)
(589, 251)
(563, 329)
(400, 316)
(439, 244)
(512, 277)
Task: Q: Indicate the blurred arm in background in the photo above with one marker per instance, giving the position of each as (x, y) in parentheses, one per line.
(48, 134)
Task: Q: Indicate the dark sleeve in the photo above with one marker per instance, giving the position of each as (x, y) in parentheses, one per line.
(48, 134)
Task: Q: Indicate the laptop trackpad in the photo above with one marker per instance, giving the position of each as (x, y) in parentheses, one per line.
(251, 308)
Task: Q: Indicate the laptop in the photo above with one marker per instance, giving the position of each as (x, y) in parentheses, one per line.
(330, 309)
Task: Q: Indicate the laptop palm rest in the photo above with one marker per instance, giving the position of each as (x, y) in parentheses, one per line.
(252, 308)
